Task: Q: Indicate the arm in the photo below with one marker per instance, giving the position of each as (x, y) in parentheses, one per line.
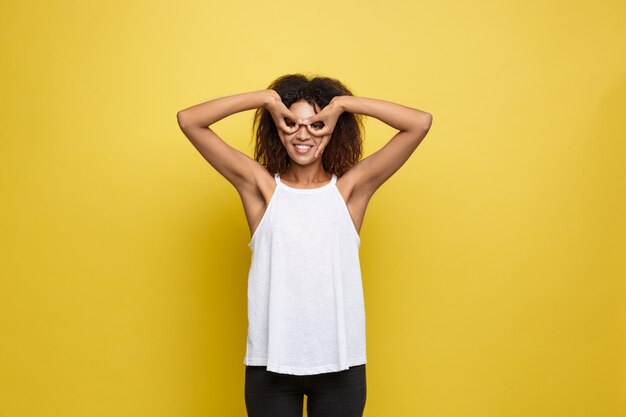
(413, 125)
(237, 167)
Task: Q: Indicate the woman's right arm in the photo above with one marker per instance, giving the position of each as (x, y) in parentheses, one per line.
(238, 168)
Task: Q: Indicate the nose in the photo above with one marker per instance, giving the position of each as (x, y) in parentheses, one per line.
(302, 132)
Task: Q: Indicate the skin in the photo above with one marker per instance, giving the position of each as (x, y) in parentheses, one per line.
(304, 123)
(305, 171)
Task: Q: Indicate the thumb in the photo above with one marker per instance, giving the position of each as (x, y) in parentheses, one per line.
(293, 116)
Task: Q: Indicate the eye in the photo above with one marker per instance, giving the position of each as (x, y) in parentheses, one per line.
(318, 125)
(289, 122)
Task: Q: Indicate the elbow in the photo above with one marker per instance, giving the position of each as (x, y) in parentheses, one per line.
(180, 118)
(423, 122)
(427, 120)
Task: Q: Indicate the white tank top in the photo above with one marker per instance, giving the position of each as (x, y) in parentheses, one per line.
(306, 310)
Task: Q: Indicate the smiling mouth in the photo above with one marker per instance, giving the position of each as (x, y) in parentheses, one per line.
(302, 149)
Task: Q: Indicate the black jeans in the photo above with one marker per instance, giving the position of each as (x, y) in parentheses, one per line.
(331, 394)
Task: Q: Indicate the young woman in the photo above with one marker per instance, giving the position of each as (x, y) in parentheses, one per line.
(304, 196)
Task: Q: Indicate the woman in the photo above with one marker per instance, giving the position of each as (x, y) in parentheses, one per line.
(304, 196)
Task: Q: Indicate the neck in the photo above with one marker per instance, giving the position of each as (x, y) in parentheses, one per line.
(306, 175)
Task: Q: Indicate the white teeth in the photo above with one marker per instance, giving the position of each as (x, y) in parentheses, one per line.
(303, 147)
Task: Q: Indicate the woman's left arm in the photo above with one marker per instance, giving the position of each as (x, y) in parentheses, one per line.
(413, 125)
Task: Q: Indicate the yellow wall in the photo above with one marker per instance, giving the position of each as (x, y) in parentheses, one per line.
(493, 261)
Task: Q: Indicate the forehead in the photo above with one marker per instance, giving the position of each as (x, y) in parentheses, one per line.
(303, 108)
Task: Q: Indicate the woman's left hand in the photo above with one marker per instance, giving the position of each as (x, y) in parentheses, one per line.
(328, 118)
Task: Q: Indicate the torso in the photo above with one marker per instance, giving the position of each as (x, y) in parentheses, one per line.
(255, 201)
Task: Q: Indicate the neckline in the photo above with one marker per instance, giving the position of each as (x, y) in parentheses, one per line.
(329, 184)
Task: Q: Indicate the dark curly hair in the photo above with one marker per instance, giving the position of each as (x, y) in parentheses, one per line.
(344, 148)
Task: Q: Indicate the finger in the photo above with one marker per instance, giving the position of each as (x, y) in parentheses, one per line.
(319, 151)
(286, 112)
(289, 116)
(311, 119)
(292, 116)
(318, 132)
(286, 128)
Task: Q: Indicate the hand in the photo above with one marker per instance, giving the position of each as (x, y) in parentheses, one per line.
(327, 117)
(280, 112)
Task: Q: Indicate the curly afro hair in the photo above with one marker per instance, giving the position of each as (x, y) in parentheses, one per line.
(345, 147)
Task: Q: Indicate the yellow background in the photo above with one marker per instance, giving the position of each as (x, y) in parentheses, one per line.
(493, 261)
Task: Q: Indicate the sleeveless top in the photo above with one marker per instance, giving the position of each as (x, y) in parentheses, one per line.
(306, 310)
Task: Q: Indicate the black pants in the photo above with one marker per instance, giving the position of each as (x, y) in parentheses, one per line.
(331, 394)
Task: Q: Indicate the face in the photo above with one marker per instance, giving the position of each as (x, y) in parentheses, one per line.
(309, 143)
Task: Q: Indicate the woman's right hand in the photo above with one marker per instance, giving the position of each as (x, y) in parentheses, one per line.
(280, 112)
